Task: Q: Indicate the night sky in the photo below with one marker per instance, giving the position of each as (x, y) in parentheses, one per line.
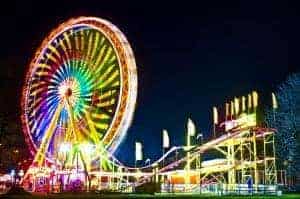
(189, 57)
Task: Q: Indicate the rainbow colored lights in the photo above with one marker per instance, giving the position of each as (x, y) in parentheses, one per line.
(80, 88)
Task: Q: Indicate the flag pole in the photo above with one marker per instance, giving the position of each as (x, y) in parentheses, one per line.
(163, 160)
(274, 106)
(188, 143)
(165, 143)
(215, 120)
(191, 130)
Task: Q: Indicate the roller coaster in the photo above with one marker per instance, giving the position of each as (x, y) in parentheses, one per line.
(246, 153)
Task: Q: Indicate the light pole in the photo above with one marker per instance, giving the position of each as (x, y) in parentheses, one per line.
(20, 174)
(199, 136)
(12, 175)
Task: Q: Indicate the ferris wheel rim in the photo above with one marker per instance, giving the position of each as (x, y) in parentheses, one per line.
(128, 59)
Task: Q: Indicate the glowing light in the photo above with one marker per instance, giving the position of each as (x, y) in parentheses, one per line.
(81, 86)
(274, 101)
(166, 139)
(249, 101)
(191, 128)
(12, 172)
(243, 103)
(236, 105)
(255, 99)
(21, 173)
(215, 113)
(245, 120)
(87, 148)
(147, 161)
(138, 151)
(65, 147)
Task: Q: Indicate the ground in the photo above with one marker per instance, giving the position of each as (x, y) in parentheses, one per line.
(89, 195)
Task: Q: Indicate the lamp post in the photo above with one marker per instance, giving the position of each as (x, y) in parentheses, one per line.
(12, 175)
(199, 136)
(20, 174)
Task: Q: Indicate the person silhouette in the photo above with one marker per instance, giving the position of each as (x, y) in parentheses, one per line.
(250, 184)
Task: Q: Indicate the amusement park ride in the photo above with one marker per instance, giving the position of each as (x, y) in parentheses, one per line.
(78, 102)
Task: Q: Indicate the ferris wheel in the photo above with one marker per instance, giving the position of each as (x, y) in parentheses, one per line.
(81, 87)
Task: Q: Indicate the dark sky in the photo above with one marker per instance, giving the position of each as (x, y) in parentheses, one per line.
(189, 56)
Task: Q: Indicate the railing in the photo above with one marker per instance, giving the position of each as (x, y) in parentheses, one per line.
(221, 189)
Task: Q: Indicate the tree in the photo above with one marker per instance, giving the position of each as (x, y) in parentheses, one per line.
(286, 119)
(13, 149)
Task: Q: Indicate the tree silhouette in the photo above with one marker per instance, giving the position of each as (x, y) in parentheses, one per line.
(286, 119)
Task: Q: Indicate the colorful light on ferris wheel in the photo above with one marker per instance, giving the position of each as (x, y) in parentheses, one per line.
(80, 87)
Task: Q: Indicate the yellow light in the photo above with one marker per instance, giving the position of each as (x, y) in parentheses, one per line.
(215, 113)
(191, 128)
(242, 122)
(274, 101)
(249, 101)
(166, 139)
(227, 110)
(243, 103)
(236, 105)
(138, 151)
(255, 99)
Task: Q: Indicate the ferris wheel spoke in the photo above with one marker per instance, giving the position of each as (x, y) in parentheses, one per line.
(53, 48)
(108, 103)
(42, 120)
(67, 39)
(96, 43)
(107, 56)
(103, 76)
(113, 77)
(104, 66)
(65, 55)
(106, 112)
(101, 56)
(49, 57)
(107, 95)
(98, 51)
(109, 89)
(88, 45)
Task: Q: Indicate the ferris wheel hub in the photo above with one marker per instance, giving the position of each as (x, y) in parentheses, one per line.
(68, 92)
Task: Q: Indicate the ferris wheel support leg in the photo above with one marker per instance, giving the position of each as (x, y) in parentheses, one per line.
(69, 110)
(40, 156)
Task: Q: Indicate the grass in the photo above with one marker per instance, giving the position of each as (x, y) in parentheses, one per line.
(94, 195)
